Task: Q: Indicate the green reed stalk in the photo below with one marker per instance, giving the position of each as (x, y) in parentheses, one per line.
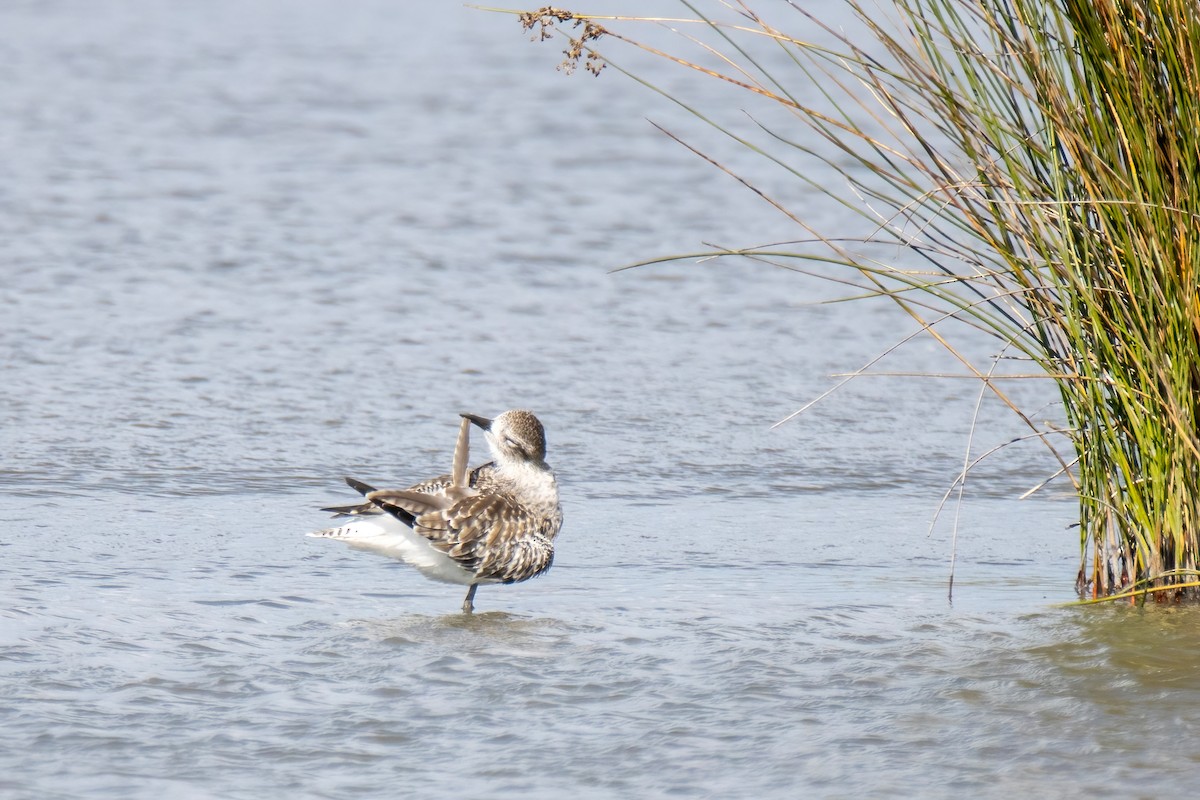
(1037, 162)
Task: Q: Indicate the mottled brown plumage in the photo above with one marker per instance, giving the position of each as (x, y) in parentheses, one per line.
(493, 537)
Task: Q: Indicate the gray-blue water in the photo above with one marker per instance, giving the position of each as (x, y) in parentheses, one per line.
(246, 249)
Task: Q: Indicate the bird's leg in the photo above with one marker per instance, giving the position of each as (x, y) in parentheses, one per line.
(467, 606)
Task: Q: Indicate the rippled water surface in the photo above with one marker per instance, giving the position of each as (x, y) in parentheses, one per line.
(249, 248)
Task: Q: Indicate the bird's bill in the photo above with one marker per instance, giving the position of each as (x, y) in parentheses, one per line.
(482, 422)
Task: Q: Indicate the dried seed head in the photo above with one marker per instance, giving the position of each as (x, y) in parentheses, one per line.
(545, 19)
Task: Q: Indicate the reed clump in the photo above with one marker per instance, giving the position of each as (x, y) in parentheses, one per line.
(1036, 163)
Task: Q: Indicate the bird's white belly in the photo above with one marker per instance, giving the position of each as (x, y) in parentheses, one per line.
(388, 536)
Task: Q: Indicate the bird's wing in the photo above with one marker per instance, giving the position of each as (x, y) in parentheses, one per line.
(414, 502)
(489, 535)
(444, 486)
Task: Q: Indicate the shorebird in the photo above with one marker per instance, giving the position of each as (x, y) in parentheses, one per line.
(493, 524)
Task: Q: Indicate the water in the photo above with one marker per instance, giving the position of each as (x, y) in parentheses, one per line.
(249, 249)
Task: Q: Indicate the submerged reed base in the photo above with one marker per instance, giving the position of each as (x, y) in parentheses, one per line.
(1035, 162)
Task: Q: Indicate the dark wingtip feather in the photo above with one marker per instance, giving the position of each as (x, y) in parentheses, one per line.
(359, 486)
(399, 513)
